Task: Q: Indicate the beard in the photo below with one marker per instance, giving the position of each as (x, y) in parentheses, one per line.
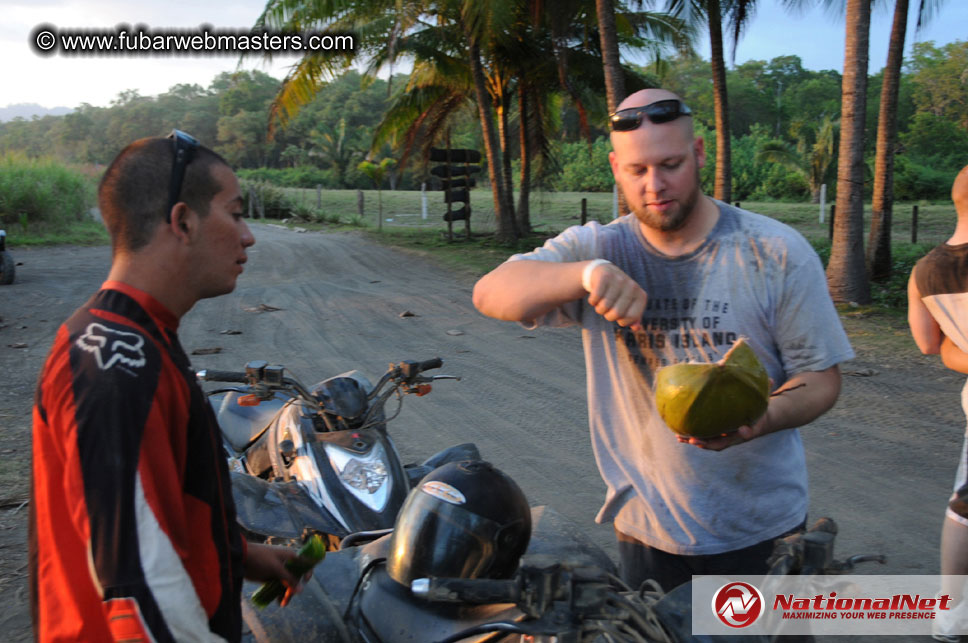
(674, 219)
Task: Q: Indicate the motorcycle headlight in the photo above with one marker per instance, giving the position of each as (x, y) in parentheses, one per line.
(363, 475)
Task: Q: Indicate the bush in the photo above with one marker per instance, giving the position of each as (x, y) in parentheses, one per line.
(581, 172)
(304, 176)
(275, 203)
(42, 191)
(782, 183)
(914, 181)
(893, 292)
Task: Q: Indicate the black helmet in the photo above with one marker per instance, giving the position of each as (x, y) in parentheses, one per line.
(464, 520)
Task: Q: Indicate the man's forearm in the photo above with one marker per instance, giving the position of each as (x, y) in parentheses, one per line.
(802, 399)
(525, 290)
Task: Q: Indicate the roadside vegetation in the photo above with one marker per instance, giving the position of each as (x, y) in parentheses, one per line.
(44, 202)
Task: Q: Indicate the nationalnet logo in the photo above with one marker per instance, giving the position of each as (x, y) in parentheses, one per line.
(738, 604)
(830, 605)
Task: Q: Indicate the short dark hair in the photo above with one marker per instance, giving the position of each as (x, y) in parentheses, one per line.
(133, 193)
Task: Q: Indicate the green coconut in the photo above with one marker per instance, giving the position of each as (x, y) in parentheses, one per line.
(705, 400)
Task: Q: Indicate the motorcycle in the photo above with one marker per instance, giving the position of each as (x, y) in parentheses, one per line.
(318, 459)
(7, 265)
(565, 591)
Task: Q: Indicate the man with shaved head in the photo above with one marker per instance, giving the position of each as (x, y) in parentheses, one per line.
(938, 317)
(681, 278)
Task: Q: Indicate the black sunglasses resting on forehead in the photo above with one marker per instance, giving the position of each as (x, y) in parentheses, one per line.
(661, 111)
(185, 146)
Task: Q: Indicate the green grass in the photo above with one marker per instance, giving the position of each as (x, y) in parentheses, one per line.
(76, 233)
(552, 212)
(42, 194)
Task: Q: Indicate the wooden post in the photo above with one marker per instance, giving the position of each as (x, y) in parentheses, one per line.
(359, 202)
(914, 224)
(833, 212)
(319, 197)
(450, 224)
(584, 211)
(251, 201)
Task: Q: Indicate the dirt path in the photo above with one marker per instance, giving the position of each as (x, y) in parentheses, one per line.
(881, 463)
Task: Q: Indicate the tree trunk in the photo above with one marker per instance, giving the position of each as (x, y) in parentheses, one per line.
(506, 228)
(612, 66)
(614, 81)
(846, 272)
(879, 242)
(523, 213)
(724, 175)
(504, 135)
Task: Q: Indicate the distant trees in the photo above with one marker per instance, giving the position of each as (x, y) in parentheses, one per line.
(773, 103)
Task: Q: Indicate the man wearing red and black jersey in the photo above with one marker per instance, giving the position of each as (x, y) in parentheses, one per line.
(133, 534)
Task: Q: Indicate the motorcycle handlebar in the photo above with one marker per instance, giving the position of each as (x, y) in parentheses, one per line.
(429, 364)
(212, 375)
(480, 591)
(410, 369)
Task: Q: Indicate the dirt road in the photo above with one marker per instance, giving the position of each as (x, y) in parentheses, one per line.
(881, 463)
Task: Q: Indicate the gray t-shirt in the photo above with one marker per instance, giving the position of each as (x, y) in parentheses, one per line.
(752, 277)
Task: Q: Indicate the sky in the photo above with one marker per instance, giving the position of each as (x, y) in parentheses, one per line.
(68, 81)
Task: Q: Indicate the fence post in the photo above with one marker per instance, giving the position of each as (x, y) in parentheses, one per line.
(823, 200)
(423, 200)
(584, 211)
(914, 224)
(251, 201)
(833, 213)
(359, 202)
(319, 197)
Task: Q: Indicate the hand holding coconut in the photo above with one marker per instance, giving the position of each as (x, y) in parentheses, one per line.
(719, 405)
(613, 294)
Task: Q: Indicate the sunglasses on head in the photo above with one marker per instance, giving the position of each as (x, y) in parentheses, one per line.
(185, 146)
(661, 111)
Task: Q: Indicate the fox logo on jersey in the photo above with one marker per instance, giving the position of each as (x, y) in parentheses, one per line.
(111, 346)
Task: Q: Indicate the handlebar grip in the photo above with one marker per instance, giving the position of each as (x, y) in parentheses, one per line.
(429, 364)
(824, 525)
(212, 375)
(410, 369)
(478, 591)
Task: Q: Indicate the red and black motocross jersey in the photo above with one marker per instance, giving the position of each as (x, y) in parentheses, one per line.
(132, 533)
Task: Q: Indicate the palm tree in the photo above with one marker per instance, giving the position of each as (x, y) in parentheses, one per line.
(465, 53)
(335, 149)
(811, 159)
(879, 241)
(377, 173)
(846, 272)
(614, 80)
(737, 14)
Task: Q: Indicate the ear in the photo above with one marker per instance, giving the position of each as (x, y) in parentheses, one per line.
(699, 147)
(184, 222)
(614, 163)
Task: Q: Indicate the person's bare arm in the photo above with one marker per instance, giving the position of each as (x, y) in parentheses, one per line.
(527, 289)
(953, 357)
(924, 329)
(801, 400)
